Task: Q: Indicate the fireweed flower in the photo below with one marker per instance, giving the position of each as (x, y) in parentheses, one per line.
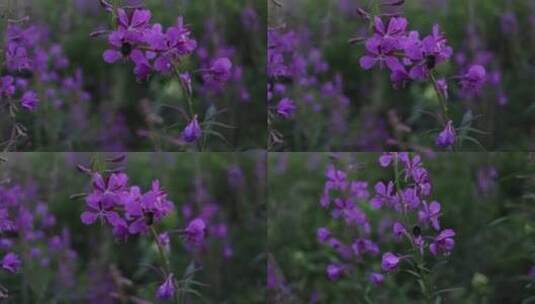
(376, 278)
(11, 262)
(194, 232)
(125, 208)
(407, 56)
(447, 137)
(473, 80)
(7, 87)
(443, 243)
(286, 108)
(219, 72)
(216, 229)
(323, 234)
(390, 262)
(167, 290)
(414, 225)
(27, 223)
(192, 132)
(29, 101)
(334, 272)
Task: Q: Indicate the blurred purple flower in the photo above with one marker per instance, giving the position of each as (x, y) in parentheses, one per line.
(473, 80)
(167, 290)
(376, 278)
(29, 101)
(443, 243)
(447, 137)
(195, 232)
(192, 132)
(390, 262)
(286, 108)
(334, 271)
(11, 262)
(7, 87)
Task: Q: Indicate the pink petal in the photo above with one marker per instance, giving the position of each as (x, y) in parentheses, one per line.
(111, 56)
(88, 218)
(367, 62)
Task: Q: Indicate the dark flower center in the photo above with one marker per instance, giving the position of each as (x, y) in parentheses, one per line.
(149, 218)
(126, 49)
(430, 61)
(416, 231)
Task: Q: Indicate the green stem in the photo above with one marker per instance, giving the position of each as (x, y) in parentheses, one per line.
(420, 263)
(161, 250)
(441, 97)
(164, 258)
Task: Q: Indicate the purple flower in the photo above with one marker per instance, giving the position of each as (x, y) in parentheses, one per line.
(382, 53)
(376, 278)
(7, 87)
(17, 58)
(334, 271)
(359, 190)
(442, 86)
(192, 132)
(286, 108)
(29, 100)
(336, 179)
(185, 81)
(167, 290)
(509, 23)
(443, 242)
(384, 194)
(447, 137)
(390, 262)
(363, 246)
(398, 230)
(195, 232)
(164, 240)
(11, 262)
(100, 209)
(219, 71)
(102, 201)
(323, 234)
(473, 80)
(531, 272)
(430, 214)
(386, 159)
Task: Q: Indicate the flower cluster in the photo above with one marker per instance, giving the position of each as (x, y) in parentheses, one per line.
(29, 56)
(404, 53)
(282, 63)
(27, 225)
(206, 222)
(32, 61)
(416, 218)
(151, 48)
(300, 79)
(410, 57)
(212, 45)
(127, 209)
